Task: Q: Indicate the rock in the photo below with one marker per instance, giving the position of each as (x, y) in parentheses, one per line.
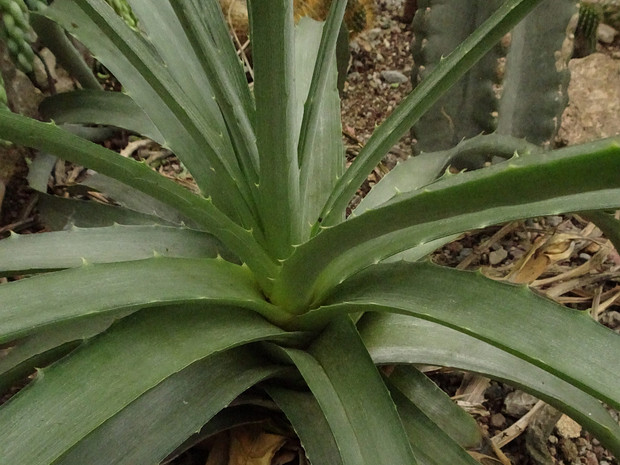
(591, 458)
(518, 403)
(569, 449)
(497, 256)
(394, 77)
(498, 420)
(594, 99)
(605, 33)
(568, 428)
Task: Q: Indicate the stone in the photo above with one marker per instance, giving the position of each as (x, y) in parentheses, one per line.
(498, 420)
(518, 403)
(605, 33)
(497, 256)
(568, 428)
(394, 77)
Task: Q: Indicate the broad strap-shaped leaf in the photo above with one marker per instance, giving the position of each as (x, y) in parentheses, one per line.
(393, 338)
(353, 397)
(50, 138)
(323, 163)
(436, 405)
(309, 423)
(322, 83)
(31, 252)
(575, 178)
(509, 317)
(430, 444)
(99, 107)
(447, 72)
(205, 28)
(62, 296)
(73, 398)
(148, 429)
(421, 170)
(45, 347)
(203, 147)
(273, 57)
(59, 213)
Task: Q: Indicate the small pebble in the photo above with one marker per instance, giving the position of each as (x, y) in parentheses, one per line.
(497, 256)
(518, 403)
(553, 439)
(393, 77)
(591, 458)
(498, 420)
(605, 33)
(567, 427)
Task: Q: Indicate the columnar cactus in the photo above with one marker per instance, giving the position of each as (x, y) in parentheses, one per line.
(522, 94)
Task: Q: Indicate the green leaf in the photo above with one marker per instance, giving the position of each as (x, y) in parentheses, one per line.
(575, 178)
(421, 170)
(273, 56)
(436, 406)
(493, 312)
(99, 107)
(73, 398)
(127, 196)
(58, 213)
(430, 444)
(96, 289)
(44, 347)
(448, 71)
(207, 33)
(392, 338)
(185, 401)
(309, 423)
(47, 137)
(322, 158)
(323, 79)
(30, 252)
(203, 148)
(353, 397)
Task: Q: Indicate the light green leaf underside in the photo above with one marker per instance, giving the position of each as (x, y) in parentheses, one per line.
(575, 178)
(116, 243)
(69, 400)
(353, 397)
(170, 40)
(392, 338)
(205, 29)
(421, 170)
(99, 107)
(96, 289)
(309, 423)
(58, 214)
(322, 159)
(430, 444)
(135, 200)
(151, 427)
(436, 405)
(509, 317)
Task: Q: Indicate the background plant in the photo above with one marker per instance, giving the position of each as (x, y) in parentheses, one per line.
(187, 300)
